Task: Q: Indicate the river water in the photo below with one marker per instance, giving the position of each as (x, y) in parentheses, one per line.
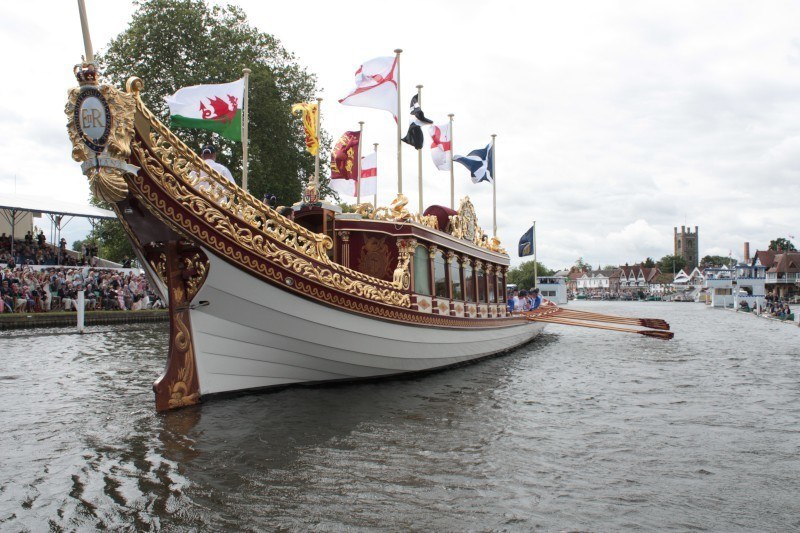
(580, 430)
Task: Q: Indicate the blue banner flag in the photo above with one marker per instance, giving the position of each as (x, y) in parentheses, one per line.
(526, 244)
(479, 162)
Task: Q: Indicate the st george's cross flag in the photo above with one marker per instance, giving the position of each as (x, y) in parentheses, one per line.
(441, 147)
(209, 107)
(344, 168)
(479, 162)
(376, 85)
(369, 174)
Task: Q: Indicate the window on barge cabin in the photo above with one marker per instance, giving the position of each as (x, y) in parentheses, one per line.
(481, 285)
(492, 292)
(469, 281)
(455, 276)
(440, 275)
(422, 271)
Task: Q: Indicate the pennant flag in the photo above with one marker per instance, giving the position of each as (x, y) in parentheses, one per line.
(526, 244)
(479, 162)
(369, 174)
(310, 112)
(441, 147)
(344, 170)
(376, 85)
(414, 136)
(209, 107)
(416, 111)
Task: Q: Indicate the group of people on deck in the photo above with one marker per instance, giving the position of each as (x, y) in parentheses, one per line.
(523, 300)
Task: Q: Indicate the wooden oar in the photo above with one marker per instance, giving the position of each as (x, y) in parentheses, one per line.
(654, 323)
(666, 335)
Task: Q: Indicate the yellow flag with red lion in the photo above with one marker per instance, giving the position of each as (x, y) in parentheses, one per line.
(310, 114)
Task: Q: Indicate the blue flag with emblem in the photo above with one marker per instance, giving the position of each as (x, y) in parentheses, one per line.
(480, 163)
(526, 243)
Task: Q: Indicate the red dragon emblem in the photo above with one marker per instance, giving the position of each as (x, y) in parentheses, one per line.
(220, 110)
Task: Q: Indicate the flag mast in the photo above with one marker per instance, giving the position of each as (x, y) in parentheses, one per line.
(375, 205)
(535, 272)
(87, 40)
(399, 51)
(494, 188)
(245, 109)
(316, 157)
(419, 154)
(358, 162)
(452, 179)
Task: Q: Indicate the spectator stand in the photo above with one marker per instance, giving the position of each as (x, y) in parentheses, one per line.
(16, 207)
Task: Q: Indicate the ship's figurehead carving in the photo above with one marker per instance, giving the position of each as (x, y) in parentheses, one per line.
(100, 126)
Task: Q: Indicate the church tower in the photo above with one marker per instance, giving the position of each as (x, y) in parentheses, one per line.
(688, 246)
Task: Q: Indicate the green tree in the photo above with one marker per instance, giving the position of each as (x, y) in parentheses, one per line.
(671, 263)
(580, 264)
(782, 244)
(522, 276)
(649, 263)
(171, 44)
(709, 261)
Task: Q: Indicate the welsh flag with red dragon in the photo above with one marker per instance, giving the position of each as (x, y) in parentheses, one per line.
(210, 107)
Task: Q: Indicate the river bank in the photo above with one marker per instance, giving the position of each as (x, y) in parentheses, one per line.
(55, 319)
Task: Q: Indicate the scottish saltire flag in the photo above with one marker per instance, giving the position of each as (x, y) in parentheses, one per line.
(376, 85)
(479, 162)
(209, 107)
(526, 244)
(369, 174)
(441, 146)
(416, 111)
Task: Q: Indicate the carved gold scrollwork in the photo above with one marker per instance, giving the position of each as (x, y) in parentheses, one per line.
(232, 213)
(105, 170)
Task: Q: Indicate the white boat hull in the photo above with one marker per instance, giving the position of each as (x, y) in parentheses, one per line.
(253, 335)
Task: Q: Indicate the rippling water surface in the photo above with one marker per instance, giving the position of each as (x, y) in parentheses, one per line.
(581, 429)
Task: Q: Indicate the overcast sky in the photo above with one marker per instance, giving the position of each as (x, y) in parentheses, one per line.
(615, 121)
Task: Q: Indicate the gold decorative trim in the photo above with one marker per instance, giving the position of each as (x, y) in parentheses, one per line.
(105, 171)
(169, 163)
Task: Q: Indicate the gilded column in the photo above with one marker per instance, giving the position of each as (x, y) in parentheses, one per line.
(345, 258)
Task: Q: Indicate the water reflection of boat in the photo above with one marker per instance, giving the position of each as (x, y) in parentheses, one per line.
(258, 300)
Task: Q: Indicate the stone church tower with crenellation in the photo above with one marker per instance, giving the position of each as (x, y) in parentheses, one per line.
(687, 246)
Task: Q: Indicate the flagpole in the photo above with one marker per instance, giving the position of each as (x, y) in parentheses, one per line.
(494, 188)
(358, 165)
(245, 110)
(316, 157)
(452, 178)
(535, 263)
(419, 154)
(399, 51)
(87, 40)
(375, 205)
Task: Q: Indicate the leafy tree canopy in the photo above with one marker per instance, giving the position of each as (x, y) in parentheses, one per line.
(522, 276)
(649, 263)
(580, 264)
(782, 244)
(710, 261)
(172, 44)
(671, 263)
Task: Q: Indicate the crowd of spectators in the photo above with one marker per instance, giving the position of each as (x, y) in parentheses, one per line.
(774, 307)
(34, 249)
(24, 289)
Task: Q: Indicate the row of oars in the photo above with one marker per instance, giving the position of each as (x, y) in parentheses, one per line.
(570, 317)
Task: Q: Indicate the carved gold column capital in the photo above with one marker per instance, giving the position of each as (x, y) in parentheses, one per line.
(451, 256)
(345, 236)
(432, 251)
(478, 264)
